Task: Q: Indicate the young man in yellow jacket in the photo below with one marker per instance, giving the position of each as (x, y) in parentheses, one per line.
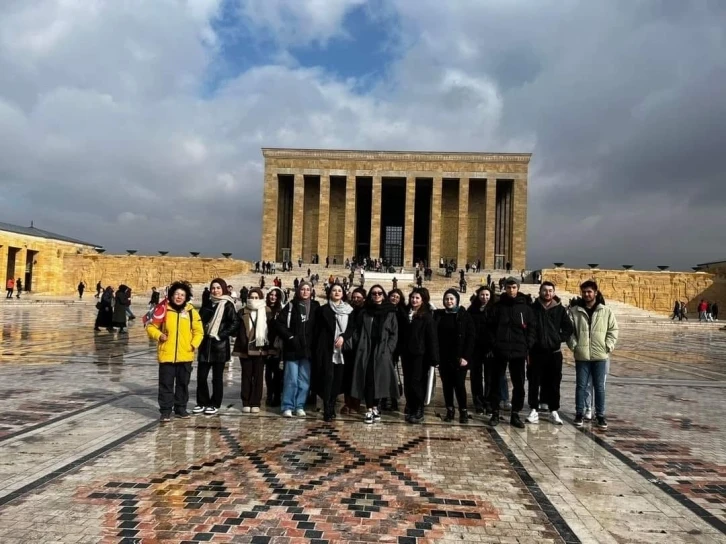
(178, 329)
(594, 339)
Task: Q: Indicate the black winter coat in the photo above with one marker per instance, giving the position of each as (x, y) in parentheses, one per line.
(466, 336)
(296, 332)
(420, 339)
(553, 326)
(483, 344)
(384, 371)
(324, 340)
(512, 327)
(217, 351)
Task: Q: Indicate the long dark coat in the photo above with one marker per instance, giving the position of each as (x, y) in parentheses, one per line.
(119, 308)
(322, 364)
(386, 385)
(217, 351)
(105, 312)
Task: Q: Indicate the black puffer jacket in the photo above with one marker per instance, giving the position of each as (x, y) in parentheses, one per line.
(481, 323)
(217, 351)
(421, 339)
(296, 331)
(553, 326)
(512, 327)
(466, 335)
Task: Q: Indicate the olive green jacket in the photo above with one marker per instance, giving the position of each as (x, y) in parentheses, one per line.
(593, 341)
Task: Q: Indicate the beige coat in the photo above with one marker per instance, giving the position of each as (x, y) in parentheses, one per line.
(593, 341)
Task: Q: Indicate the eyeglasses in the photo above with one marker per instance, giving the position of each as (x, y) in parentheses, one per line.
(376, 293)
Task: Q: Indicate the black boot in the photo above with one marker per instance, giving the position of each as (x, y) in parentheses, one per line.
(407, 414)
(494, 420)
(418, 417)
(514, 421)
(394, 405)
(463, 416)
(331, 410)
(449, 414)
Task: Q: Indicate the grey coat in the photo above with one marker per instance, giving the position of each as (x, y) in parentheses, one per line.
(386, 385)
(119, 309)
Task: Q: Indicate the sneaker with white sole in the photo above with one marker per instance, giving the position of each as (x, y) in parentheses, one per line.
(287, 413)
(197, 409)
(533, 416)
(369, 417)
(245, 409)
(602, 423)
(555, 418)
(300, 412)
(376, 415)
(588, 414)
(255, 409)
(210, 411)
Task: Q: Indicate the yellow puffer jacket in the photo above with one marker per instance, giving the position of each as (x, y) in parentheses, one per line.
(184, 332)
(593, 340)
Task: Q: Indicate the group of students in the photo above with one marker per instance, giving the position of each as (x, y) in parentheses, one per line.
(351, 344)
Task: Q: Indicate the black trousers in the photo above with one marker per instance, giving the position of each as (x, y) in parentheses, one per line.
(544, 376)
(490, 373)
(478, 391)
(273, 379)
(370, 384)
(174, 386)
(415, 378)
(332, 387)
(453, 380)
(516, 372)
(203, 398)
(253, 370)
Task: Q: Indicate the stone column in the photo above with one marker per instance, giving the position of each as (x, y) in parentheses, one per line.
(519, 224)
(435, 233)
(324, 217)
(376, 217)
(490, 216)
(268, 251)
(20, 259)
(349, 248)
(463, 235)
(298, 206)
(408, 221)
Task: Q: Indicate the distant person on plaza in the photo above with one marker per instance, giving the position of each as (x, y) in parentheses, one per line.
(594, 339)
(243, 294)
(104, 318)
(262, 282)
(714, 311)
(81, 288)
(456, 334)
(544, 372)
(684, 311)
(252, 347)
(99, 290)
(676, 310)
(231, 292)
(332, 331)
(513, 331)
(129, 313)
(18, 287)
(121, 303)
(178, 330)
(205, 296)
(273, 363)
(709, 316)
(702, 307)
(154, 300)
(376, 339)
(220, 321)
(295, 325)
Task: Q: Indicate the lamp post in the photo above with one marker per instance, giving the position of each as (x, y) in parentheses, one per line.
(131, 251)
(226, 255)
(194, 253)
(593, 265)
(627, 266)
(162, 253)
(663, 267)
(558, 265)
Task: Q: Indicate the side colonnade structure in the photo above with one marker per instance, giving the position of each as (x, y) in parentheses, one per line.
(399, 206)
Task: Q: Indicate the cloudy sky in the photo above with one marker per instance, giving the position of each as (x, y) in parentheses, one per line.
(138, 124)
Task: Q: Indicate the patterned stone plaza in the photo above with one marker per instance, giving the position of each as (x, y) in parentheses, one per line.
(83, 459)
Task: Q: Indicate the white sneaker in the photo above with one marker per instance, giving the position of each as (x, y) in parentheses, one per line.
(287, 413)
(210, 411)
(588, 414)
(255, 410)
(300, 412)
(533, 416)
(197, 409)
(245, 409)
(555, 418)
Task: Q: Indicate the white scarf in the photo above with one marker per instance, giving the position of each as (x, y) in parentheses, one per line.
(257, 309)
(218, 314)
(341, 311)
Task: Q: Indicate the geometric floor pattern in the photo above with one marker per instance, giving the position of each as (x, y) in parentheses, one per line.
(82, 458)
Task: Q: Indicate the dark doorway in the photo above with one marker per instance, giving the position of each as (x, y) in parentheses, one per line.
(422, 220)
(364, 198)
(12, 254)
(285, 190)
(29, 262)
(393, 210)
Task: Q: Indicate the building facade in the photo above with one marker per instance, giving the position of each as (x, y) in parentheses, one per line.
(400, 206)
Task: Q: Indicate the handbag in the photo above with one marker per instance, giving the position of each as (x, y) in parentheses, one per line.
(431, 386)
(98, 305)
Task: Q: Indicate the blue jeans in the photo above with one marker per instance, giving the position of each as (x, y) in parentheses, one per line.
(296, 384)
(590, 389)
(597, 371)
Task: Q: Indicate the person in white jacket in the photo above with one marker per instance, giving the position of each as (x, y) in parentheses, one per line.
(594, 339)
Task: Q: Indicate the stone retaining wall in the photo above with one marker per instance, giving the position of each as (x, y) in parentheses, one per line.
(648, 290)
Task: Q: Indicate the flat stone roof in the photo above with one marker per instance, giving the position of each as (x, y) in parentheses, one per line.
(373, 155)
